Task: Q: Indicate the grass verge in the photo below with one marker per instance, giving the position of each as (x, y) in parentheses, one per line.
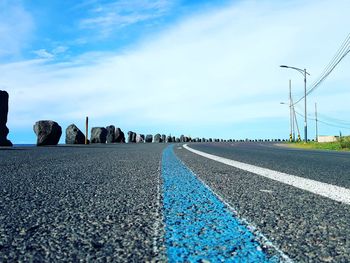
(343, 144)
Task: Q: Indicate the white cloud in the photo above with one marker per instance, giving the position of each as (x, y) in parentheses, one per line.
(216, 69)
(59, 50)
(43, 53)
(16, 26)
(107, 18)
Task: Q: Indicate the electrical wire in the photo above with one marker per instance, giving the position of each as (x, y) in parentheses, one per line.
(338, 57)
(324, 122)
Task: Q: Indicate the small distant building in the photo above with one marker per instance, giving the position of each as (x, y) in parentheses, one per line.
(327, 138)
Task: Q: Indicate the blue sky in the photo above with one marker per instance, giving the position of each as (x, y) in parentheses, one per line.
(199, 68)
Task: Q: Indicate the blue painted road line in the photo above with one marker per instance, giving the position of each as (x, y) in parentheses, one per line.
(198, 225)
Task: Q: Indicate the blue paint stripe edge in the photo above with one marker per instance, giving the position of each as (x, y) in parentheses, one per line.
(198, 225)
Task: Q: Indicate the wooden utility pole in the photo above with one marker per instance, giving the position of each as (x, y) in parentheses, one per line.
(86, 130)
(316, 122)
(291, 137)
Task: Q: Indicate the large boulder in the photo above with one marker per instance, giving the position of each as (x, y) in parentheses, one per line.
(140, 138)
(157, 138)
(98, 135)
(74, 135)
(110, 134)
(119, 136)
(182, 138)
(47, 132)
(4, 108)
(149, 138)
(131, 137)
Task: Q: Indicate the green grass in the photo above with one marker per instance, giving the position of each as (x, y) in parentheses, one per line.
(342, 145)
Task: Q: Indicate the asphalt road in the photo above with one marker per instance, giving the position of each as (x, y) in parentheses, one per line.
(104, 203)
(94, 204)
(306, 226)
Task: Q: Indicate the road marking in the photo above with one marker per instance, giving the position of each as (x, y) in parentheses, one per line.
(266, 191)
(198, 226)
(333, 192)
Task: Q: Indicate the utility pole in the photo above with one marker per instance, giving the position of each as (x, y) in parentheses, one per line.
(304, 73)
(291, 137)
(316, 122)
(305, 120)
(86, 130)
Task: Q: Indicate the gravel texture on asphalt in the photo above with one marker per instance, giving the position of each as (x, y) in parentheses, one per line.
(325, 166)
(307, 227)
(97, 203)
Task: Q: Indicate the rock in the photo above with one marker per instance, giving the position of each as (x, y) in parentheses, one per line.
(139, 138)
(142, 136)
(119, 136)
(98, 135)
(157, 138)
(168, 139)
(4, 108)
(182, 138)
(163, 138)
(210, 139)
(74, 135)
(110, 134)
(149, 138)
(47, 132)
(131, 137)
(173, 139)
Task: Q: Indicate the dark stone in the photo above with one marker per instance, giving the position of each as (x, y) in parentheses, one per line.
(157, 138)
(149, 138)
(210, 139)
(98, 135)
(110, 134)
(47, 132)
(74, 135)
(4, 108)
(131, 137)
(119, 136)
(139, 138)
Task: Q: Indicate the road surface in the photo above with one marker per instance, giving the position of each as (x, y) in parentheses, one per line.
(161, 202)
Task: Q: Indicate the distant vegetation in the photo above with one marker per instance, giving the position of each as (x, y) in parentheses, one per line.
(343, 144)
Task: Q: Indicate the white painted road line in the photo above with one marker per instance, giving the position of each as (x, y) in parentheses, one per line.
(333, 192)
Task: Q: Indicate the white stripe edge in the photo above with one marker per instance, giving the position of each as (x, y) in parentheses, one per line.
(330, 191)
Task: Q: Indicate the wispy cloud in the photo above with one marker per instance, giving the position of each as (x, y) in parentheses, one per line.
(107, 18)
(16, 27)
(215, 69)
(43, 53)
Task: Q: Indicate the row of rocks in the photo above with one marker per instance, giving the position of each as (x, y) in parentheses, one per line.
(4, 131)
(49, 133)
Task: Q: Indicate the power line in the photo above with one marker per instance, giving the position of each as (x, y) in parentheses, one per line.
(324, 122)
(338, 57)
